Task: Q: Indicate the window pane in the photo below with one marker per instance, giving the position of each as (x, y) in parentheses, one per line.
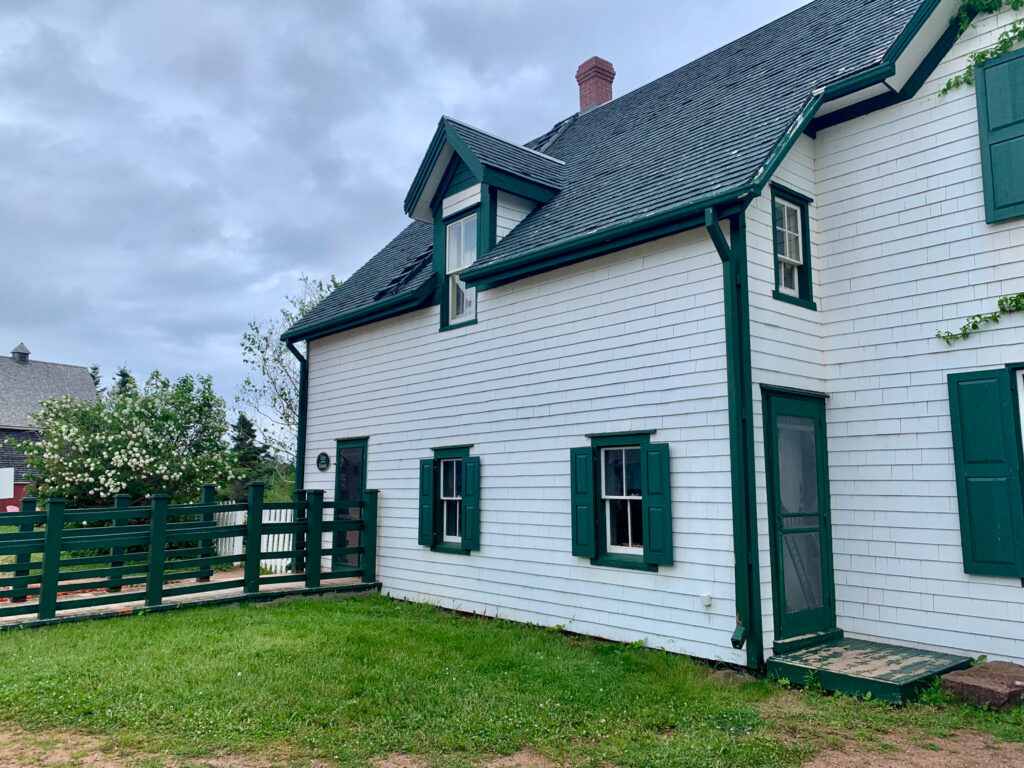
(788, 280)
(469, 295)
(468, 240)
(452, 518)
(633, 487)
(792, 219)
(457, 464)
(454, 247)
(447, 479)
(793, 248)
(458, 297)
(613, 472)
(636, 514)
(618, 523)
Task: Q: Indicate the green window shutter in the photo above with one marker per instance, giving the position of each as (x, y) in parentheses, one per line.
(584, 538)
(657, 511)
(427, 502)
(1000, 90)
(987, 472)
(471, 503)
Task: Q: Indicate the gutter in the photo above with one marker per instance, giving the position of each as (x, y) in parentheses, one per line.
(739, 379)
(688, 216)
(300, 443)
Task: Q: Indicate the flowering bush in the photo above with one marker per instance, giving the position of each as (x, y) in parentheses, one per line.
(166, 438)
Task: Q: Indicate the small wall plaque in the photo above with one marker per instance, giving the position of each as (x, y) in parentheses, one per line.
(323, 462)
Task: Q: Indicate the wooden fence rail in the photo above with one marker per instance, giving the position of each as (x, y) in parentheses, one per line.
(59, 558)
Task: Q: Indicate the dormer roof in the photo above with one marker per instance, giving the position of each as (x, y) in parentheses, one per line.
(491, 160)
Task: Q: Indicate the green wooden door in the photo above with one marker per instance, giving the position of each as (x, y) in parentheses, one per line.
(349, 485)
(796, 464)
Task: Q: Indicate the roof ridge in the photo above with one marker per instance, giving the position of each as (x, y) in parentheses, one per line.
(33, 361)
(499, 138)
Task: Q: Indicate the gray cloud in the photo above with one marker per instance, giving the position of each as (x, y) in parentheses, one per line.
(169, 168)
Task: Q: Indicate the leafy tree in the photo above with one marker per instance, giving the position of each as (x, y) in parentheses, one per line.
(94, 372)
(271, 390)
(163, 438)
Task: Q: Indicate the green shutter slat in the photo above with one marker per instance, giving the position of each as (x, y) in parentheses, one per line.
(987, 472)
(426, 502)
(471, 503)
(657, 507)
(1000, 93)
(584, 538)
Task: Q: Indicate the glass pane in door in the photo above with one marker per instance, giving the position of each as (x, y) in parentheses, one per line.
(797, 460)
(349, 488)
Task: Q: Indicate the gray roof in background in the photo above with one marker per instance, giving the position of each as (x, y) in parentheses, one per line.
(24, 385)
(11, 457)
(704, 129)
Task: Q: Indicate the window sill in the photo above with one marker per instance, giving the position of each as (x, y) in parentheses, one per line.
(632, 562)
(454, 326)
(450, 548)
(805, 303)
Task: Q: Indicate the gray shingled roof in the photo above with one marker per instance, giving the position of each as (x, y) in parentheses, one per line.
(11, 457)
(706, 128)
(24, 385)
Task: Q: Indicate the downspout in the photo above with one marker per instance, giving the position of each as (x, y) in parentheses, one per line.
(300, 443)
(741, 432)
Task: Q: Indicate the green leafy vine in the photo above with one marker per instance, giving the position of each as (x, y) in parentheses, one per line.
(1007, 305)
(1007, 39)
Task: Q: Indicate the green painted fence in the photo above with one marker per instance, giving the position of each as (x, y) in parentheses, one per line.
(59, 559)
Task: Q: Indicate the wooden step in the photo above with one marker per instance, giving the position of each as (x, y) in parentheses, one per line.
(863, 668)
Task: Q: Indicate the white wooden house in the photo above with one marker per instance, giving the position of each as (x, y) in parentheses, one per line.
(670, 371)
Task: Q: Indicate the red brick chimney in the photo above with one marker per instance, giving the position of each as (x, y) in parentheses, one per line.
(595, 76)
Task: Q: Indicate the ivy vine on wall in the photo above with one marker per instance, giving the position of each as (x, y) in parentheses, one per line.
(1009, 37)
(1007, 305)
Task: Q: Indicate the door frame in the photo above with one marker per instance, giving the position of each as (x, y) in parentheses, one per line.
(812, 404)
(351, 442)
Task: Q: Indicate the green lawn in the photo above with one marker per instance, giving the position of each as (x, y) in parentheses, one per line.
(347, 680)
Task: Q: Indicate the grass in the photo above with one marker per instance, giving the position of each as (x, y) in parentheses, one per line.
(347, 680)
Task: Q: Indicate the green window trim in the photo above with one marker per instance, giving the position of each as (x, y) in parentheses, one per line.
(431, 504)
(486, 235)
(804, 277)
(1000, 95)
(588, 523)
(984, 409)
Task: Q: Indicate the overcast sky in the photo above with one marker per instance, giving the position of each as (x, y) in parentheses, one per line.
(169, 168)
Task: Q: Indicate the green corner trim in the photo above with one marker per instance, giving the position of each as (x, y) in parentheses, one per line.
(300, 437)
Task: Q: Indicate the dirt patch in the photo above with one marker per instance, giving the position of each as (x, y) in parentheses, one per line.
(965, 749)
(525, 758)
(20, 748)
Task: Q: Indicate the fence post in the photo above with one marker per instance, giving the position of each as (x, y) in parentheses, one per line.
(299, 539)
(157, 546)
(121, 501)
(314, 537)
(368, 561)
(253, 537)
(51, 558)
(207, 497)
(24, 559)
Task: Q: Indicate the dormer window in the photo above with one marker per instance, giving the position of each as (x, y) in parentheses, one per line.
(460, 253)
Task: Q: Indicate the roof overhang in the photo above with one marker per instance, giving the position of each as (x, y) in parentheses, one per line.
(446, 144)
(906, 65)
